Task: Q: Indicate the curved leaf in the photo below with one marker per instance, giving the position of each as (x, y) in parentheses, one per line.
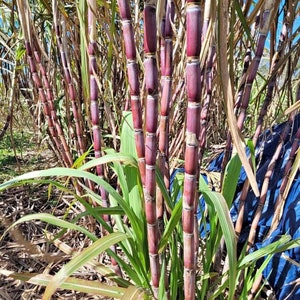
(84, 257)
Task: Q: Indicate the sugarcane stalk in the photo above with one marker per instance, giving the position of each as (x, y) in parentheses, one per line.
(272, 82)
(265, 185)
(80, 143)
(238, 101)
(50, 100)
(151, 82)
(262, 114)
(162, 122)
(284, 184)
(193, 84)
(163, 143)
(46, 98)
(133, 80)
(265, 21)
(94, 110)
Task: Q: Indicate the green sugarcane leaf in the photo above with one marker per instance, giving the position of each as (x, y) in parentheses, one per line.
(54, 221)
(243, 21)
(177, 269)
(283, 244)
(161, 184)
(136, 270)
(81, 159)
(231, 176)
(132, 173)
(161, 287)
(251, 147)
(171, 225)
(66, 172)
(110, 158)
(218, 202)
(71, 283)
(127, 134)
(81, 259)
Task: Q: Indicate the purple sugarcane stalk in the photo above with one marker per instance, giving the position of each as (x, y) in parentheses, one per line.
(161, 161)
(151, 81)
(80, 143)
(193, 83)
(265, 185)
(271, 85)
(262, 114)
(49, 112)
(252, 71)
(94, 107)
(133, 80)
(280, 199)
(163, 143)
(247, 60)
(50, 100)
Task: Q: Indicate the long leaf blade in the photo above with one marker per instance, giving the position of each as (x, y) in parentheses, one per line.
(84, 257)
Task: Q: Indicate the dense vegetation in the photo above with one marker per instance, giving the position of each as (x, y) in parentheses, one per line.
(123, 92)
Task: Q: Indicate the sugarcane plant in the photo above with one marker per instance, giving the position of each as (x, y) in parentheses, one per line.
(147, 86)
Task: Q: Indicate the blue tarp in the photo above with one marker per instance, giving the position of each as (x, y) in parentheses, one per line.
(280, 271)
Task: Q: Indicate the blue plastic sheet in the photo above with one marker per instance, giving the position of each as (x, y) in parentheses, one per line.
(280, 271)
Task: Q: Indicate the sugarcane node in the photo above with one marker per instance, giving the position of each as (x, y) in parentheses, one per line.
(28, 48)
(135, 98)
(193, 3)
(191, 139)
(188, 267)
(186, 206)
(141, 160)
(150, 167)
(189, 236)
(168, 77)
(150, 3)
